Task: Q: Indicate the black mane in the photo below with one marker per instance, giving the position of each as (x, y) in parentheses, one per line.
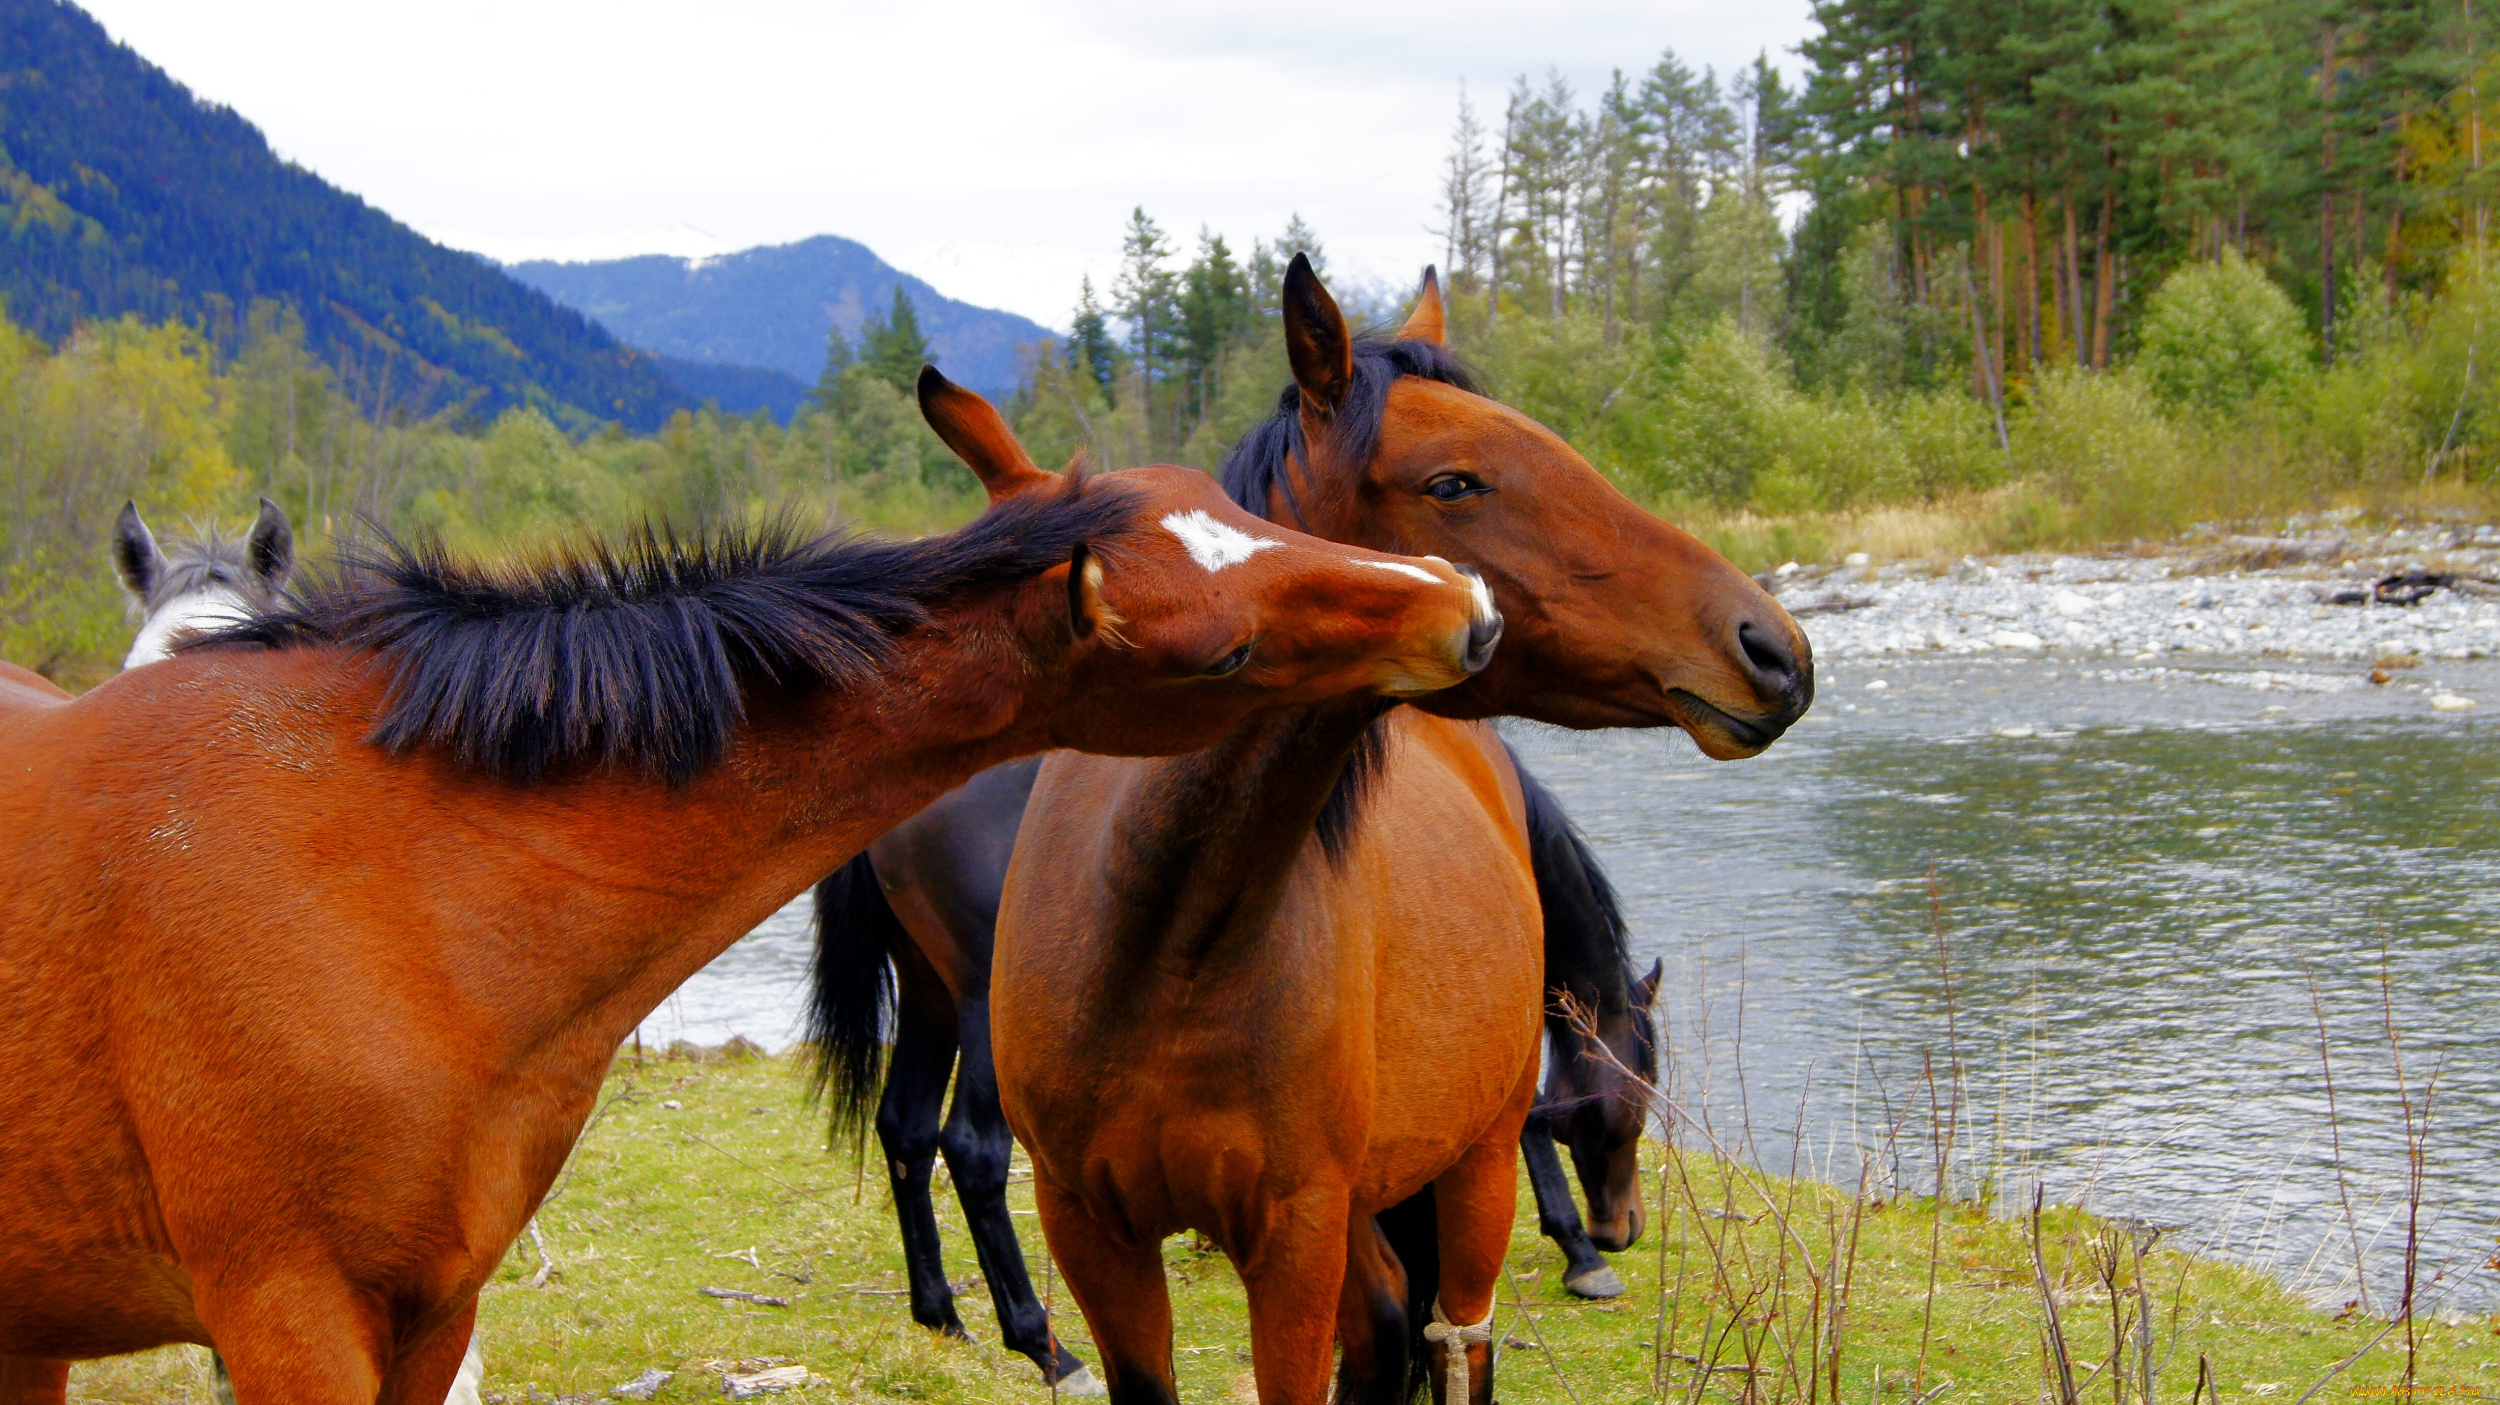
(1256, 467)
(1257, 464)
(640, 651)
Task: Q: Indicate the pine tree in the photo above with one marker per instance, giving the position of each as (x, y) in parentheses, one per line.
(892, 348)
(1465, 197)
(1090, 350)
(1147, 298)
(839, 358)
(1300, 238)
(1215, 313)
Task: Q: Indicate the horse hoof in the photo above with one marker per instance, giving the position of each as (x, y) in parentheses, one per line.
(1082, 1381)
(1599, 1282)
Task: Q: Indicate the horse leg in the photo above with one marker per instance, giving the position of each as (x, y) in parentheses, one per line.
(1119, 1286)
(1295, 1276)
(299, 1341)
(907, 1128)
(979, 1149)
(468, 1386)
(27, 1380)
(1475, 1200)
(1585, 1271)
(1372, 1326)
(429, 1369)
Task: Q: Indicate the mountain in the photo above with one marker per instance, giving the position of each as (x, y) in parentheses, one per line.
(773, 306)
(120, 193)
(739, 390)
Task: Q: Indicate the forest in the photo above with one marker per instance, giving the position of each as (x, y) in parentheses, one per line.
(1988, 277)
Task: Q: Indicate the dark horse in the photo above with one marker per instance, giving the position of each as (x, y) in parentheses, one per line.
(946, 866)
(1586, 1103)
(927, 896)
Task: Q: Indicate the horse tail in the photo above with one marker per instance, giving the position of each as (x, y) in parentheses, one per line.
(1412, 1228)
(851, 994)
(1586, 936)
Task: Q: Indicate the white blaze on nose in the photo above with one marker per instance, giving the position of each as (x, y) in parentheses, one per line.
(1403, 569)
(1212, 544)
(1477, 588)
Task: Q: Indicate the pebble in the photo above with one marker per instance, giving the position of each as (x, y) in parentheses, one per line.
(2451, 702)
(2177, 606)
(766, 1382)
(644, 1386)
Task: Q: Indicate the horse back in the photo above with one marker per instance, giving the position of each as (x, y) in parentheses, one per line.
(944, 869)
(24, 690)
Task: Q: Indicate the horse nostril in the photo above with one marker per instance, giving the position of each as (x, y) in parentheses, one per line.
(1482, 635)
(1770, 659)
(1484, 627)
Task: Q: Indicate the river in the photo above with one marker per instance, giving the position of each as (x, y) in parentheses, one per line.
(2129, 877)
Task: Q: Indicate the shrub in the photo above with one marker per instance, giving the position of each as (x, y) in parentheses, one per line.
(2105, 452)
(2218, 335)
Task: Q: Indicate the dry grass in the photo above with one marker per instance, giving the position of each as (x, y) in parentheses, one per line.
(2025, 516)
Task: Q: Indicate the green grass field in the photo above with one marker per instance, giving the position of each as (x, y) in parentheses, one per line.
(715, 1175)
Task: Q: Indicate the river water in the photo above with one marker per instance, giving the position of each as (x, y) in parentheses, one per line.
(2103, 892)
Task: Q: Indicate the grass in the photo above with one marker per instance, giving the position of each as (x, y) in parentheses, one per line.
(714, 1174)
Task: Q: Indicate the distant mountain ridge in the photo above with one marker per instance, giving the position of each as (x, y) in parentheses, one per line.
(772, 306)
(121, 193)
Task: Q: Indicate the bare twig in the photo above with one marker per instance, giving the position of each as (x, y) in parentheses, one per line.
(546, 1261)
(2335, 1142)
(740, 1295)
(776, 1180)
(2056, 1330)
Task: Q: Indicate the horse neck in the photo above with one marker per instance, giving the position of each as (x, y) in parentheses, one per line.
(1199, 863)
(656, 880)
(1579, 959)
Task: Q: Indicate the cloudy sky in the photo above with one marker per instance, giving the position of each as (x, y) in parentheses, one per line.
(993, 147)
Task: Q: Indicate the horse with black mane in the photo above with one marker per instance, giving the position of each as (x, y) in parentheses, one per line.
(899, 1009)
(318, 938)
(1587, 1103)
(1172, 938)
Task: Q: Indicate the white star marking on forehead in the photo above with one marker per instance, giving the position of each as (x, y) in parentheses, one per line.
(1403, 569)
(199, 610)
(1212, 544)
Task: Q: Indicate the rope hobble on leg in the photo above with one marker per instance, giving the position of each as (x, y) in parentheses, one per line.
(1454, 1341)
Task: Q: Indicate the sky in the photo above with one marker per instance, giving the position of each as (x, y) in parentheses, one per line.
(993, 147)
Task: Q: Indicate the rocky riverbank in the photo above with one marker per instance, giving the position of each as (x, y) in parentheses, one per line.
(2305, 595)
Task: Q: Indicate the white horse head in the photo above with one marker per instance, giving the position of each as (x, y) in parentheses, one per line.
(204, 583)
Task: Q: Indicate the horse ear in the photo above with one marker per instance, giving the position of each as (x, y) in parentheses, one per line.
(1649, 983)
(1429, 320)
(272, 545)
(973, 428)
(135, 557)
(1316, 340)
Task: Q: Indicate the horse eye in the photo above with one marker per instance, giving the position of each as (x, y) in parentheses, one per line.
(1450, 487)
(1232, 662)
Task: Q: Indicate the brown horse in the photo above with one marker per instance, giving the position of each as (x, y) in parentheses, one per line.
(1286, 991)
(315, 953)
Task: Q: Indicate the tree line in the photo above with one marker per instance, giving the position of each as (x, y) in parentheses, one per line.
(2023, 174)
